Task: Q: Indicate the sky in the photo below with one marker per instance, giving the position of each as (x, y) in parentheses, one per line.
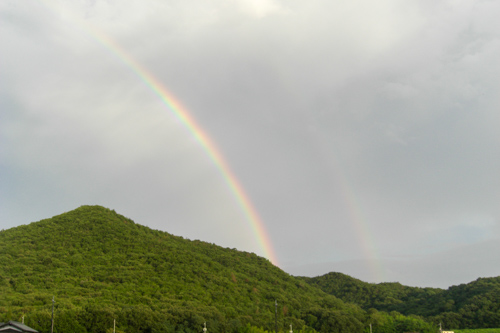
(364, 135)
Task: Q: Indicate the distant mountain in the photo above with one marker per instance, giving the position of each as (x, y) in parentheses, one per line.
(472, 305)
(386, 296)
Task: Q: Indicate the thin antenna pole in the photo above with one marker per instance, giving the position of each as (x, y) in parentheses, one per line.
(276, 316)
(52, 328)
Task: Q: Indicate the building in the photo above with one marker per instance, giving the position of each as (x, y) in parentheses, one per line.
(15, 327)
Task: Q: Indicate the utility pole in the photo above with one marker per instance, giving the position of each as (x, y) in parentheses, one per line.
(52, 328)
(370, 327)
(114, 325)
(276, 316)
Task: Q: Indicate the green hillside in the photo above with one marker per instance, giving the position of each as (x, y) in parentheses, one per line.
(101, 266)
(472, 305)
(387, 296)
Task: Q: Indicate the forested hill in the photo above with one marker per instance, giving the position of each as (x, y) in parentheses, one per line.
(101, 266)
(387, 296)
(472, 305)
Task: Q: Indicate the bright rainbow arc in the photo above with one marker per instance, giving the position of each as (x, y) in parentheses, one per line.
(188, 121)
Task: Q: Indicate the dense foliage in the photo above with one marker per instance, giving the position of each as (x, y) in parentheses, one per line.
(472, 305)
(101, 267)
(479, 330)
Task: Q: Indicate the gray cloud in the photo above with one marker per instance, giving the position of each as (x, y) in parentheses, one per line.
(364, 133)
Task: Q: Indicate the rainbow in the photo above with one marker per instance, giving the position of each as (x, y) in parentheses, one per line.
(363, 231)
(189, 122)
(354, 214)
(358, 220)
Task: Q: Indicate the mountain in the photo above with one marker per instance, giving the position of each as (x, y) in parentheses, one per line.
(101, 266)
(387, 296)
(472, 305)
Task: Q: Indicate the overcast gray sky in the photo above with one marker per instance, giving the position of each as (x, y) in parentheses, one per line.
(365, 133)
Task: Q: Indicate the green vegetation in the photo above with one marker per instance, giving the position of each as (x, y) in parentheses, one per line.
(473, 305)
(101, 266)
(479, 330)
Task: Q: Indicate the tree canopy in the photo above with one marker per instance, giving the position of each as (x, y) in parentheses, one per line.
(101, 266)
(472, 305)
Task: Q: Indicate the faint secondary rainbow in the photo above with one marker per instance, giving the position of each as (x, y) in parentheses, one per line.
(364, 234)
(361, 226)
(354, 210)
(189, 122)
